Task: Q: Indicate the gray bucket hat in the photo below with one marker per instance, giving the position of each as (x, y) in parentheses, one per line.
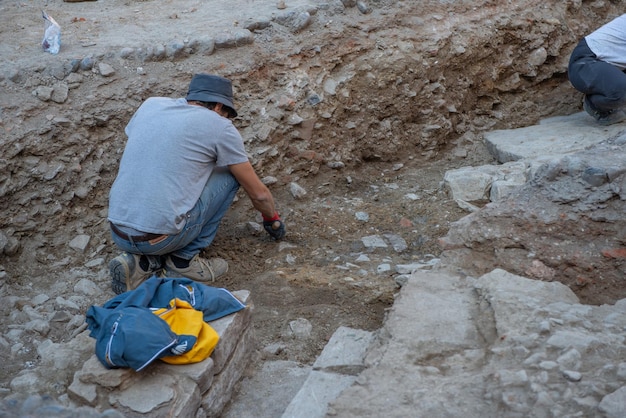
(214, 89)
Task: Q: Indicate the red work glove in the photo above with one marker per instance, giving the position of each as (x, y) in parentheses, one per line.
(274, 226)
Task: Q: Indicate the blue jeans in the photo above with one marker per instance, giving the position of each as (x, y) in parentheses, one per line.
(202, 221)
(604, 84)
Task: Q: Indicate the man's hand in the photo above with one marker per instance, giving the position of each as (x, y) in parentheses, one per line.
(274, 226)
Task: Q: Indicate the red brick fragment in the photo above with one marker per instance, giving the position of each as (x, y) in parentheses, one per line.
(614, 252)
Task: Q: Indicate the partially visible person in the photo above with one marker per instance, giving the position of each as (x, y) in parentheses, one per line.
(596, 68)
(181, 168)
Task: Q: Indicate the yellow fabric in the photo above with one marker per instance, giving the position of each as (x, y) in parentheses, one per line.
(183, 319)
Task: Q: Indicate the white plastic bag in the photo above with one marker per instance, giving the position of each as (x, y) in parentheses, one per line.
(52, 35)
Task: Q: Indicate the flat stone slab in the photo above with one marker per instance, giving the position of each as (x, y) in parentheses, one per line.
(319, 389)
(269, 391)
(551, 137)
(335, 370)
(345, 350)
(444, 306)
(500, 345)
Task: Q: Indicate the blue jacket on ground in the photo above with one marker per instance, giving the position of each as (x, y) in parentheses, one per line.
(127, 332)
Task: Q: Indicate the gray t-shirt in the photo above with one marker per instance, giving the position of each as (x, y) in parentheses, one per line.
(171, 151)
(609, 42)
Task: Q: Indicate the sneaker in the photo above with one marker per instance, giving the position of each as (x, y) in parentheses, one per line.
(604, 118)
(199, 269)
(127, 271)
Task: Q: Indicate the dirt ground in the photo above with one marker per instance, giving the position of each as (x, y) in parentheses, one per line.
(395, 124)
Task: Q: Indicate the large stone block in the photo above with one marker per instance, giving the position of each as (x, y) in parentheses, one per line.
(230, 329)
(201, 373)
(157, 395)
(214, 401)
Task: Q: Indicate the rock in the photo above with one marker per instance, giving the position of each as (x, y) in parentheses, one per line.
(296, 190)
(383, 268)
(485, 183)
(255, 24)
(43, 93)
(363, 7)
(397, 242)
(336, 165)
(613, 405)
(232, 39)
(572, 376)
(105, 69)
(80, 242)
(295, 21)
(59, 93)
(86, 63)
(175, 49)
(374, 241)
(203, 45)
(300, 328)
(362, 216)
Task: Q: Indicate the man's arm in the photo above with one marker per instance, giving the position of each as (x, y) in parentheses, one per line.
(258, 192)
(261, 198)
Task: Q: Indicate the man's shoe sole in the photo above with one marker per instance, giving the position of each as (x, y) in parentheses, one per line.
(119, 272)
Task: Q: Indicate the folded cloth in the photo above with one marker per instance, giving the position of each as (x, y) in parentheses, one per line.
(197, 339)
